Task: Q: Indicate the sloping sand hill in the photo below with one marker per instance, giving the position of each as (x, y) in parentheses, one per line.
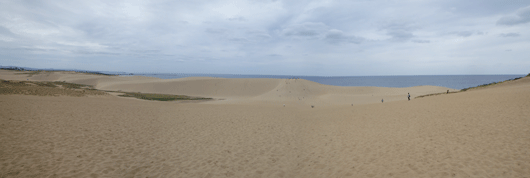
(279, 91)
(482, 132)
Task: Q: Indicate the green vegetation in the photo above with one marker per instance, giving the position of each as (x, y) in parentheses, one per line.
(46, 88)
(30, 73)
(45, 84)
(72, 89)
(73, 85)
(7, 82)
(160, 97)
(26, 83)
(49, 84)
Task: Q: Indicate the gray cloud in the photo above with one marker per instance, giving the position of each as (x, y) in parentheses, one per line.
(5, 31)
(421, 41)
(462, 33)
(259, 34)
(94, 52)
(31, 49)
(521, 16)
(509, 35)
(476, 8)
(238, 39)
(466, 33)
(146, 51)
(399, 31)
(306, 29)
(335, 36)
(215, 31)
(399, 35)
(239, 18)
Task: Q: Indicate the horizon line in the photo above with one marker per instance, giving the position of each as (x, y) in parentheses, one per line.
(174, 73)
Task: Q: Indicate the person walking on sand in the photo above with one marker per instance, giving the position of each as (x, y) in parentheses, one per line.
(409, 96)
(382, 100)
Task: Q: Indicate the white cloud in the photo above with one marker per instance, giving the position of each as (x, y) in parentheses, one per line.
(509, 34)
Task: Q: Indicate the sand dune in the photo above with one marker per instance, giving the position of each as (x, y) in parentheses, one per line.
(482, 132)
(293, 91)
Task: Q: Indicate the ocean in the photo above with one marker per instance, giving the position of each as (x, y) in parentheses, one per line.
(449, 81)
(399, 81)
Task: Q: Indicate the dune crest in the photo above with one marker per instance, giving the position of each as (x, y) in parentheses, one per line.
(235, 90)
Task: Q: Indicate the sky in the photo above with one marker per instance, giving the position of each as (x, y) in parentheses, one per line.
(269, 37)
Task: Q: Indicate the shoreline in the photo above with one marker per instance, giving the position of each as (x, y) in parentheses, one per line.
(38, 72)
(164, 96)
(326, 80)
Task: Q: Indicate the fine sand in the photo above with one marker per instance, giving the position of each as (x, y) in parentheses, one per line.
(247, 132)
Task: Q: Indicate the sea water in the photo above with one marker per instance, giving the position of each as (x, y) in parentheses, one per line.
(449, 81)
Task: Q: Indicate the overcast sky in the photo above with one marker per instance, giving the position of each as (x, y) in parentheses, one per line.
(326, 38)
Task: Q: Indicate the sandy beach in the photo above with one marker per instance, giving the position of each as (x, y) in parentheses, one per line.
(245, 130)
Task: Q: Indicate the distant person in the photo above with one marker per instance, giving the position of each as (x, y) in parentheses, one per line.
(447, 91)
(382, 100)
(409, 96)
